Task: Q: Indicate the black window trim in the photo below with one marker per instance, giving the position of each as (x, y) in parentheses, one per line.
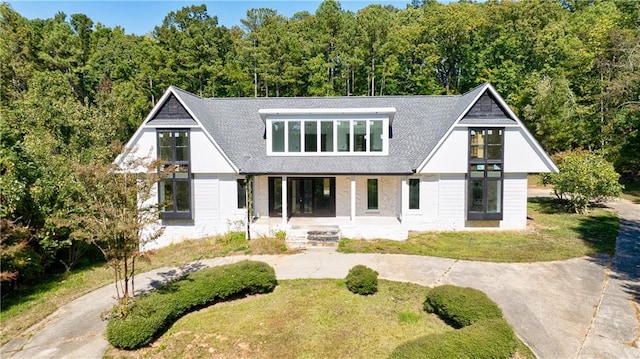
(409, 197)
(484, 215)
(377, 194)
(174, 214)
(241, 186)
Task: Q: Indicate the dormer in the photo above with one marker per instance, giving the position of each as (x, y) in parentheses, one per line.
(328, 132)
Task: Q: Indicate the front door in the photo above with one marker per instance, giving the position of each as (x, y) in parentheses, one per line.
(306, 196)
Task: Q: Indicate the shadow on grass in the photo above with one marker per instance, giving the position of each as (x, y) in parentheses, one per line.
(549, 205)
(167, 281)
(599, 232)
(48, 283)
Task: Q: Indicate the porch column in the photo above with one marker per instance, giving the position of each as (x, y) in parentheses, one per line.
(254, 188)
(284, 200)
(353, 199)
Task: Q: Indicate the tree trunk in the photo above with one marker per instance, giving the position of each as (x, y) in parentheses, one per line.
(255, 83)
(373, 77)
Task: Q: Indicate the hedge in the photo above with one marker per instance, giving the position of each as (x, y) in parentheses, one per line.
(483, 332)
(459, 306)
(362, 280)
(491, 338)
(151, 314)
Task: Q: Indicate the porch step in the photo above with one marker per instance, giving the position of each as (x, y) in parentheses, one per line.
(296, 238)
(323, 236)
(302, 237)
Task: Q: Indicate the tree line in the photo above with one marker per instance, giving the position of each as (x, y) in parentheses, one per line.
(71, 89)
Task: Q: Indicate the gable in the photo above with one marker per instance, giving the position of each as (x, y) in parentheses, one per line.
(172, 113)
(487, 111)
(486, 108)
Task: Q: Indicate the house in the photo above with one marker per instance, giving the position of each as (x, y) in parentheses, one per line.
(370, 167)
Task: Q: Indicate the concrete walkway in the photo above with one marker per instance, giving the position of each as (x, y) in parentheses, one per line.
(579, 308)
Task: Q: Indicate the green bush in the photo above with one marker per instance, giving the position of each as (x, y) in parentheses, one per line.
(362, 280)
(153, 313)
(483, 334)
(491, 338)
(584, 177)
(459, 306)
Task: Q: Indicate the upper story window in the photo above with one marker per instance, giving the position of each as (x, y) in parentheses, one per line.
(328, 137)
(328, 131)
(174, 191)
(485, 173)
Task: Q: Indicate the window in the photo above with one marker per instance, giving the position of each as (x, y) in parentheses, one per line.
(485, 173)
(293, 136)
(360, 136)
(310, 136)
(242, 193)
(414, 193)
(174, 191)
(326, 136)
(372, 194)
(376, 135)
(277, 132)
(344, 135)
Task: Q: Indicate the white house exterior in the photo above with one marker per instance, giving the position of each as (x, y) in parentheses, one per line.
(371, 167)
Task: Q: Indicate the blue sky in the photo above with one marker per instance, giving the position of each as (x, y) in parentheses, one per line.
(140, 17)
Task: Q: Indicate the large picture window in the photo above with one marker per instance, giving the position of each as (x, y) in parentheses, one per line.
(327, 137)
(485, 173)
(174, 191)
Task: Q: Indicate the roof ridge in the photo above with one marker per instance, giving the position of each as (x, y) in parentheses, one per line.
(186, 92)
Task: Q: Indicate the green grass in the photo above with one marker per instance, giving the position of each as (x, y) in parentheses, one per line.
(552, 234)
(33, 304)
(302, 319)
(632, 192)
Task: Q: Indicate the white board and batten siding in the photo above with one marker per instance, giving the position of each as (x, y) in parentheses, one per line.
(427, 215)
(521, 155)
(452, 199)
(515, 201)
(213, 190)
(452, 156)
(443, 184)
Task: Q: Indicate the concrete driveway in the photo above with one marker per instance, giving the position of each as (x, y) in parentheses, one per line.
(578, 308)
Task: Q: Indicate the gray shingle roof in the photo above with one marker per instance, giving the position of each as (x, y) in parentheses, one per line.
(420, 122)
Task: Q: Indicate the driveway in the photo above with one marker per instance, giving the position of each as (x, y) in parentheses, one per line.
(578, 308)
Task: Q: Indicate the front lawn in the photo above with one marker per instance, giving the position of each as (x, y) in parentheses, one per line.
(303, 319)
(35, 303)
(551, 235)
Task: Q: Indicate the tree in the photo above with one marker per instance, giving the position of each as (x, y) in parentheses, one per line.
(116, 211)
(584, 177)
(553, 114)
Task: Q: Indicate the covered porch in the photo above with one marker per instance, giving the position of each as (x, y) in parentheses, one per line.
(363, 206)
(298, 229)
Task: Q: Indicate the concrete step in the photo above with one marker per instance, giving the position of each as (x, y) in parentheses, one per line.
(312, 236)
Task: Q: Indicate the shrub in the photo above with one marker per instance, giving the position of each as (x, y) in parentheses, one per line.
(483, 333)
(460, 306)
(153, 313)
(584, 177)
(362, 280)
(492, 338)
